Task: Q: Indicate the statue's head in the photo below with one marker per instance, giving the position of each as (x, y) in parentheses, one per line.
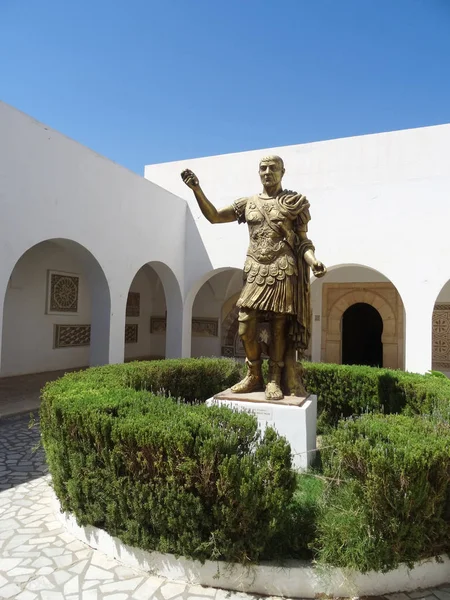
(271, 170)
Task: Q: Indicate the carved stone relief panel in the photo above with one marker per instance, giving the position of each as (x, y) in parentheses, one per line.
(158, 325)
(62, 292)
(71, 336)
(201, 327)
(131, 333)
(205, 327)
(441, 337)
(133, 304)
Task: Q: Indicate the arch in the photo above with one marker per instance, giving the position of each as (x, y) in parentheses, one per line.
(207, 309)
(344, 286)
(42, 331)
(370, 297)
(157, 331)
(362, 328)
(391, 328)
(198, 283)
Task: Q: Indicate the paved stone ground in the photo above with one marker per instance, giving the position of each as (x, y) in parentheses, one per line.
(39, 560)
(21, 393)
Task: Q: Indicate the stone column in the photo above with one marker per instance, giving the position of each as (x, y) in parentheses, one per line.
(178, 327)
(418, 336)
(107, 325)
(5, 273)
(2, 301)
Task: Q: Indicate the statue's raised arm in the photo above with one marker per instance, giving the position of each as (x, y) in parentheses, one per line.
(224, 215)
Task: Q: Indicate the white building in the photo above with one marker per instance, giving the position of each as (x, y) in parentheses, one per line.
(98, 265)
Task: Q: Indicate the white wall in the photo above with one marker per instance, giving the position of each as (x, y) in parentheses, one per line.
(367, 197)
(27, 329)
(376, 200)
(54, 188)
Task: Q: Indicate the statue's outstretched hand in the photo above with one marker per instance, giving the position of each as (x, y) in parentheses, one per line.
(190, 179)
(319, 269)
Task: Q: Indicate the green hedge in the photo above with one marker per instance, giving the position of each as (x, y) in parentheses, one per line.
(389, 501)
(189, 379)
(164, 475)
(170, 474)
(344, 391)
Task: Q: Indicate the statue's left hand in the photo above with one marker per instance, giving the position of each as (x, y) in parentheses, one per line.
(319, 269)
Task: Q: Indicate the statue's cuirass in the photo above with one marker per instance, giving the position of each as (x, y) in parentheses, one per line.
(269, 255)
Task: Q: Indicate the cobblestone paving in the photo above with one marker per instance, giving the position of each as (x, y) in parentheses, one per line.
(20, 459)
(40, 560)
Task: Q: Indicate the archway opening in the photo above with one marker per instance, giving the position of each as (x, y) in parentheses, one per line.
(146, 317)
(343, 287)
(214, 301)
(362, 328)
(56, 311)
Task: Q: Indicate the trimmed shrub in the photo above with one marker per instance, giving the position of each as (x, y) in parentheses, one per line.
(342, 390)
(390, 497)
(349, 390)
(176, 476)
(189, 379)
(163, 475)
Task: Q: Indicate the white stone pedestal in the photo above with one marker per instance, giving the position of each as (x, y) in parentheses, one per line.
(296, 423)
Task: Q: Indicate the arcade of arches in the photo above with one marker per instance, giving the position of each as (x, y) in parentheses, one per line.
(357, 316)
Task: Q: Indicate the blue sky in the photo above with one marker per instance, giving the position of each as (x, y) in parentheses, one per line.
(146, 81)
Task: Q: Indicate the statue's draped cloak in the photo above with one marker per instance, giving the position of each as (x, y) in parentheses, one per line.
(276, 276)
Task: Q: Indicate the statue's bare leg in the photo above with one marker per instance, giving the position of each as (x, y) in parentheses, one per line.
(277, 350)
(253, 381)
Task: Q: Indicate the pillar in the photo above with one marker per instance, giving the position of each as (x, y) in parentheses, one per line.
(418, 336)
(178, 328)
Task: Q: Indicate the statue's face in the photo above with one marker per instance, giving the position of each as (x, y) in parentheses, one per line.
(270, 172)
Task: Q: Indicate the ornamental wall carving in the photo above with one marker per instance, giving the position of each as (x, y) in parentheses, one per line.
(201, 327)
(75, 336)
(337, 297)
(72, 336)
(131, 333)
(133, 304)
(441, 337)
(62, 292)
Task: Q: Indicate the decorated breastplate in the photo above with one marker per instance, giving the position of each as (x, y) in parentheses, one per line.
(266, 243)
(269, 256)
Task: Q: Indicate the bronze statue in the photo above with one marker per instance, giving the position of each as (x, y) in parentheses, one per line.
(276, 277)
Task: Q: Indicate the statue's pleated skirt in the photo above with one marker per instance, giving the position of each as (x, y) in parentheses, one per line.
(279, 297)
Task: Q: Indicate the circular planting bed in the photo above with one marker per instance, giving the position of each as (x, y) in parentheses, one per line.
(135, 455)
